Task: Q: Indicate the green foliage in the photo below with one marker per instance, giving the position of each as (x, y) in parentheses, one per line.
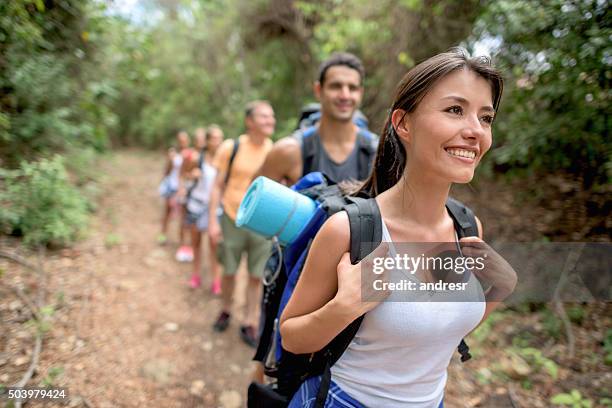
(608, 348)
(606, 402)
(80, 164)
(200, 62)
(51, 99)
(526, 384)
(523, 339)
(486, 327)
(572, 399)
(555, 114)
(40, 203)
(112, 240)
(54, 101)
(52, 375)
(79, 75)
(484, 376)
(76, 77)
(173, 75)
(538, 361)
(552, 324)
(576, 314)
(60, 298)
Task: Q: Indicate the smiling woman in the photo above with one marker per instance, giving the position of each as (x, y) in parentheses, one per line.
(437, 132)
(450, 130)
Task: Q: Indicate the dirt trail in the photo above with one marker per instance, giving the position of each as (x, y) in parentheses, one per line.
(128, 331)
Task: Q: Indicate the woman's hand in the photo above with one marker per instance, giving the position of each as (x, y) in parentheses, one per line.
(356, 293)
(496, 271)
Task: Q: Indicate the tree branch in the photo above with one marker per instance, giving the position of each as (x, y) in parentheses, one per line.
(39, 335)
(17, 259)
(570, 265)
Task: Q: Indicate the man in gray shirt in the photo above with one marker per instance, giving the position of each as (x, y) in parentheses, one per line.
(335, 145)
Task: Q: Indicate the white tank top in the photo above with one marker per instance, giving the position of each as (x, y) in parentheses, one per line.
(400, 355)
(201, 191)
(177, 162)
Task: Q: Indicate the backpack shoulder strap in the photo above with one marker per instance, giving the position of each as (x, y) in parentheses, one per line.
(463, 217)
(466, 226)
(195, 182)
(367, 144)
(366, 234)
(231, 159)
(366, 227)
(307, 138)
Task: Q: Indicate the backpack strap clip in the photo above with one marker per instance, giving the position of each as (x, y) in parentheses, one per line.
(463, 217)
(464, 350)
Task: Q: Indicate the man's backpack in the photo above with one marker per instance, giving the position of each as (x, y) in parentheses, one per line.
(231, 160)
(367, 142)
(283, 270)
(310, 115)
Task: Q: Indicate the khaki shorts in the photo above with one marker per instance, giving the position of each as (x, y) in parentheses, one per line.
(237, 241)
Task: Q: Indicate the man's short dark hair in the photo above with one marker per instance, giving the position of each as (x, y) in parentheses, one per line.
(341, 58)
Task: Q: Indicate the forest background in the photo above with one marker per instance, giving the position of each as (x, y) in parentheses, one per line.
(80, 79)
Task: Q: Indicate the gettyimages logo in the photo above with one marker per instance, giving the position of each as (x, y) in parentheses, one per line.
(412, 264)
(475, 271)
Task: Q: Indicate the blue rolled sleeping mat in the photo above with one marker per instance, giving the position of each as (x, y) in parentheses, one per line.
(271, 209)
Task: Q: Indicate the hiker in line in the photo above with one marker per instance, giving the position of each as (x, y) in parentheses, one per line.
(184, 252)
(201, 173)
(169, 186)
(237, 162)
(437, 131)
(335, 145)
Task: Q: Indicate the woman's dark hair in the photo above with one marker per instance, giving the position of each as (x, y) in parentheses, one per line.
(390, 158)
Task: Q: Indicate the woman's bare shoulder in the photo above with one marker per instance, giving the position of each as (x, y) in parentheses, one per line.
(335, 232)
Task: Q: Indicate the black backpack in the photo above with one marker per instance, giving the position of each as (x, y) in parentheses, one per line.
(365, 235)
(310, 115)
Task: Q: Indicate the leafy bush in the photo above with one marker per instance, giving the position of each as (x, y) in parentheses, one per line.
(39, 202)
(572, 399)
(53, 97)
(538, 361)
(555, 112)
(78, 163)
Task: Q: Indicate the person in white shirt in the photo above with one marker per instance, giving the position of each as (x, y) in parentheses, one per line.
(200, 174)
(169, 187)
